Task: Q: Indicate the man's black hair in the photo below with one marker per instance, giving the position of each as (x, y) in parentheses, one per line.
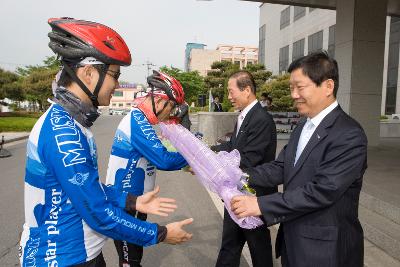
(244, 79)
(265, 95)
(319, 67)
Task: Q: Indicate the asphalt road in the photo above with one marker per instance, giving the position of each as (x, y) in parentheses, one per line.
(192, 199)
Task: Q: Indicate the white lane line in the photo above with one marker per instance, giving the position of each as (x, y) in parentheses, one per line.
(220, 207)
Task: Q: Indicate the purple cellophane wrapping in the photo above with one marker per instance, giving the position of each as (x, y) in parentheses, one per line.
(220, 173)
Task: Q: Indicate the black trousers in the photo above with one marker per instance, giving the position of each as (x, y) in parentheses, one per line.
(233, 239)
(96, 262)
(130, 255)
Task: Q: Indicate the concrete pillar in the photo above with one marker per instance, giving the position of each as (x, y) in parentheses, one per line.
(385, 66)
(216, 124)
(360, 45)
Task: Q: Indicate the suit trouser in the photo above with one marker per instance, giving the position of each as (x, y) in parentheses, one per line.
(130, 255)
(284, 257)
(233, 239)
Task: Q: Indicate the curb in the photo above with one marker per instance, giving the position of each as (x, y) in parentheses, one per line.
(16, 139)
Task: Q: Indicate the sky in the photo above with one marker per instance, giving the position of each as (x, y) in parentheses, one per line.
(155, 31)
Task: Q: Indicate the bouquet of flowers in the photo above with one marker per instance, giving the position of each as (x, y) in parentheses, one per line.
(220, 172)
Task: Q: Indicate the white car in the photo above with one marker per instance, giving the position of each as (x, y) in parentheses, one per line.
(116, 112)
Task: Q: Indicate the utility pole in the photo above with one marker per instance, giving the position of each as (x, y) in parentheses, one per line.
(149, 65)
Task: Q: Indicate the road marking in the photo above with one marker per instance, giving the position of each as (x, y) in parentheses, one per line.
(220, 207)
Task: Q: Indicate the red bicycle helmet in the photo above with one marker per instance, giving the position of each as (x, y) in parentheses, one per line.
(166, 86)
(74, 39)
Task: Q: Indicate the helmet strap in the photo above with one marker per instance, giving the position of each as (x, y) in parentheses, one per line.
(92, 96)
(154, 104)
(102, 75)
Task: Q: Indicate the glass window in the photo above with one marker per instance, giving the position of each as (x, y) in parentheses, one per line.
(298, 49)
(315, 42)
(299, 12)
(390, 106)
(120, 104)
(331, 41)
(261, 45)
(285, 17)
(283, 59)
(393, 66)
(118, 93)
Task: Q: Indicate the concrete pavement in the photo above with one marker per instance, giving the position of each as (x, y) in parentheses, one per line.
(192, 199)
(381, 181)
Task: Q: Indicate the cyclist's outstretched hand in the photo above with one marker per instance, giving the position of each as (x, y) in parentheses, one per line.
(175, 233)
(150, 203)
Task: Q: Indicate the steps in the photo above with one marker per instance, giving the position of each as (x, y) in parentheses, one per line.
(380, 219)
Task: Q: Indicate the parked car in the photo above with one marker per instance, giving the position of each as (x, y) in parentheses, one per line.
(117, 112)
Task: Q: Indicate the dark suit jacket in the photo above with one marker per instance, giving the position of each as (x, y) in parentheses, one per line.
(318, 210)
(217, 107)
(256, 142)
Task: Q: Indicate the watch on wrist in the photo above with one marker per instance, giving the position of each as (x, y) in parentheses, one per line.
(243, 185)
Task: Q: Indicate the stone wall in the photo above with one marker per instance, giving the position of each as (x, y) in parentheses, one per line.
(390, 128)
(216, 124)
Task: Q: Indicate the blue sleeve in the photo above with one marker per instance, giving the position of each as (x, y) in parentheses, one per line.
(116, 197)
(67, 154)
(144, 139)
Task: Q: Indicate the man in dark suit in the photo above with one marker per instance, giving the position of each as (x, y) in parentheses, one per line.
(321, 169)
(217, 105)
(254, 137)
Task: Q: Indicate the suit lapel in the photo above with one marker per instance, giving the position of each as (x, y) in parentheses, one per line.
(319, 134)
(246, 120)
(292, 147)
(233, 137)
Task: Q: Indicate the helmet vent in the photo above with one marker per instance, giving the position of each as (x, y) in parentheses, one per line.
(109, 45)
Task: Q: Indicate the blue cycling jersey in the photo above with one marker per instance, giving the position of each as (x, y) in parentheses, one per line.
(68, 212)
(136, 154)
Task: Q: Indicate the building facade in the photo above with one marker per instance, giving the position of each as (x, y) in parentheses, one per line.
(289, 32)
(124, 96)
(188, 50)
(201, 59)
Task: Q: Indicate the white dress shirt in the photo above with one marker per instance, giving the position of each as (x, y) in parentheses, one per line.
(309, 128)
(243, 114)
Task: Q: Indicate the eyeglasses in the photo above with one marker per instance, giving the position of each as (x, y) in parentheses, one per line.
(175, 109)
(114, 74)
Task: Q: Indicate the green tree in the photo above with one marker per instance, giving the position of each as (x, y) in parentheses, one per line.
(38, 86)
(278, 89)
(6, 79)
(37, 80)
(14, 91)
(192, 82)
(217, 79)
(49, 63)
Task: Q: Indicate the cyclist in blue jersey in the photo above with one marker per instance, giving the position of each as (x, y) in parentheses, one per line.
(68, 212)
(137, 151)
